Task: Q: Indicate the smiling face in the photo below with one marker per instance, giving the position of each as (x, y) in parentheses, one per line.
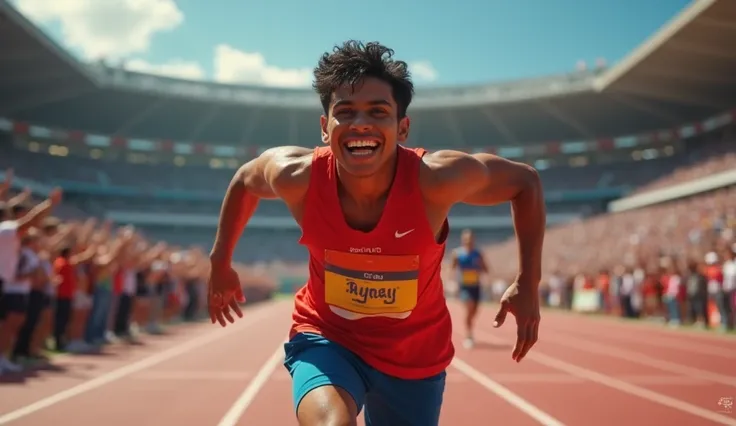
(362, 127)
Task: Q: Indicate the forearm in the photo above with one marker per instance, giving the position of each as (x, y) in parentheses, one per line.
(237, 208)
(530, 217)
(35, 216)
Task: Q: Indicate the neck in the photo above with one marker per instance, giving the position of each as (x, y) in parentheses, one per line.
(367, 189)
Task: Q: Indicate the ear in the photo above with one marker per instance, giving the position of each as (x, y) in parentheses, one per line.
(323, 126)
(404, 125)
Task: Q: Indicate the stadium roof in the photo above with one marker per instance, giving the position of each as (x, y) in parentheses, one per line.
(691, 61)
(683, 74)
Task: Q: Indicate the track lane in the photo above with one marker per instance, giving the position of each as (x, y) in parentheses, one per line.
(196, 386)
(696, 395)
(654, 330)
(200, 386)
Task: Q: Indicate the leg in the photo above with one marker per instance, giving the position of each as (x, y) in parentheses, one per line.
(328, 383)
(397, 402)
(25, 334)
(470, 297)
(121, 316)
(43, 331)
(15, 308)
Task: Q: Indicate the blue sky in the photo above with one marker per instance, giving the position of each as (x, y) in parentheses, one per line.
(277, 42)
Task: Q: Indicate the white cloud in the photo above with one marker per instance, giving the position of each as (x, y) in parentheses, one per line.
(177, 68)
(423, 71)
(106, 28)
(116, 29)
(236, 66)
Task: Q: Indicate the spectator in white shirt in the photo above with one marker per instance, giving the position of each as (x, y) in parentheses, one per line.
(12, 301)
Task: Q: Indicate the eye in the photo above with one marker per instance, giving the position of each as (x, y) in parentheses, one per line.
(344, 112)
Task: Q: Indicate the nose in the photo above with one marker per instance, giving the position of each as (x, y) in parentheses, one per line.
(361, 123)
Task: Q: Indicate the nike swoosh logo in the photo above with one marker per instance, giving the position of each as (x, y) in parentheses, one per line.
(403, 234)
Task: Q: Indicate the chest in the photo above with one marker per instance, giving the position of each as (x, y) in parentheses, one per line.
(363, 218)
(468, 260)
(405, 218)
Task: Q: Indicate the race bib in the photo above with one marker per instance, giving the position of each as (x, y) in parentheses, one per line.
(364, 285)
(470, 277)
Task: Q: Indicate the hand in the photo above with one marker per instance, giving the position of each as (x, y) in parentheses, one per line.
(524, 305)
(225, 292)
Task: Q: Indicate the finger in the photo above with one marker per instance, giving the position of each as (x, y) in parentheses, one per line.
(501, 315)
(236, 308)
(531, 339)
(227, 314)
(221, 318)
(520, 341)
(212, 314)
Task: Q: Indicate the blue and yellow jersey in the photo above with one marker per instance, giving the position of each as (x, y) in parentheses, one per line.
(470, 266)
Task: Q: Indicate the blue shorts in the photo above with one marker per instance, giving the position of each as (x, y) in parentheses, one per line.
(314, 361)
(470, 293)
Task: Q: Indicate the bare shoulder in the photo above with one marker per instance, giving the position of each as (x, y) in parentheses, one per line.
(289, 168)
(281, 171)
(288, 160)
(446, 175)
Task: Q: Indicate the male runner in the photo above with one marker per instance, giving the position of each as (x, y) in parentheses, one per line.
(469, 263)
(371, 328)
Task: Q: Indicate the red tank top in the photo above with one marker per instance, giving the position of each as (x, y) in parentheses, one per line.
(378, 293)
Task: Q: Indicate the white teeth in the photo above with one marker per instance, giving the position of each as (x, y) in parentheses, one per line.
(360, 144)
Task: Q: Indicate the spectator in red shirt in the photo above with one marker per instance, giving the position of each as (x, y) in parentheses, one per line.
(67, 272)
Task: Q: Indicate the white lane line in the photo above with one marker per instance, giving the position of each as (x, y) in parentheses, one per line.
(115, 375)
(249, 394)
(194, 375)
(620, 385)
(506, 394)
(632, 390)
(640, 358)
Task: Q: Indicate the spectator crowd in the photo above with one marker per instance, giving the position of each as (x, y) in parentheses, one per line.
(671, 261)
(77, 286)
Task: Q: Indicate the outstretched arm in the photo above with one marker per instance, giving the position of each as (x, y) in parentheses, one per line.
(270, 175)
(486, 179)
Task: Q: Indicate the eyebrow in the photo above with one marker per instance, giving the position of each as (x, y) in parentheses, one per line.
(380, 102)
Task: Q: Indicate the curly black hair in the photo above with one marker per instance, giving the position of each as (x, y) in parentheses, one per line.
(352, 62)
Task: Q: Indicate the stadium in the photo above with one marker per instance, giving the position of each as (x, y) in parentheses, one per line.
(637, 159)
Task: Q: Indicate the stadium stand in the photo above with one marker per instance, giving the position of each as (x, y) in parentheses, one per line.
(637, 161)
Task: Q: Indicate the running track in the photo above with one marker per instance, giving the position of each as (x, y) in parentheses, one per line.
(583, 371)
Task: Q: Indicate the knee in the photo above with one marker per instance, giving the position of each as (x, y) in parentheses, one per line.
(327, 416)
(327, 406)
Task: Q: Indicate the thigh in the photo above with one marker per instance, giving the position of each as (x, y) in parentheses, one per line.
(16, 303)
(15, 307)
(397, 402)
(328, 382)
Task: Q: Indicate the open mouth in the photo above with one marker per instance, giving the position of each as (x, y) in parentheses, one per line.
(362, 148)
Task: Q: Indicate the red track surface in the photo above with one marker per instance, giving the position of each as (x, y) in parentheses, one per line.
(584, 371)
